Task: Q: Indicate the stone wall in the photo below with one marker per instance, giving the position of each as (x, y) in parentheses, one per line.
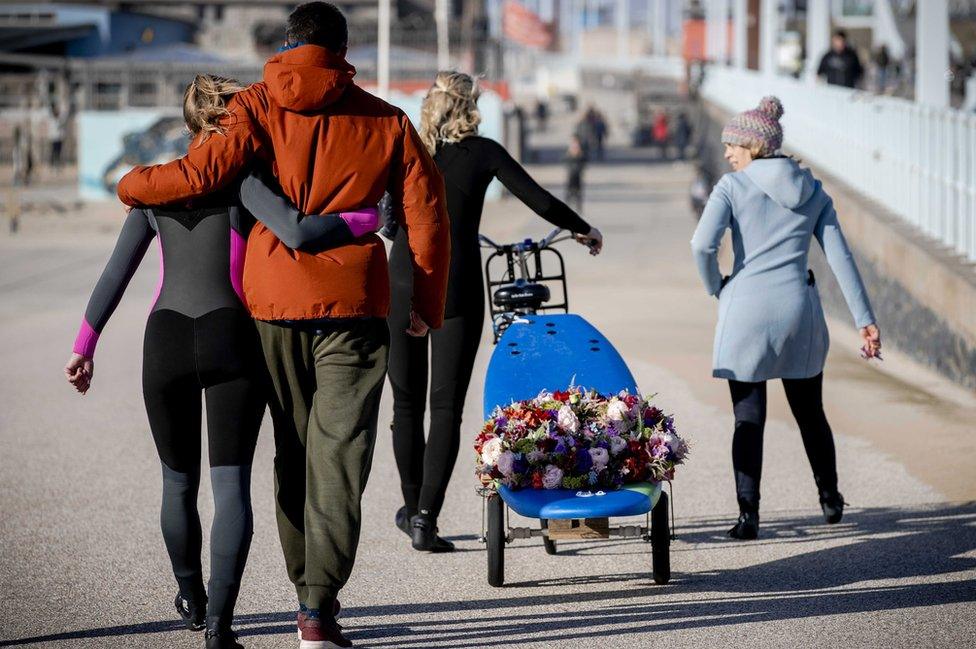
(924, 298)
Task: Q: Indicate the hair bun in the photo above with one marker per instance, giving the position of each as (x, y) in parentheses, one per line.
(771, 106)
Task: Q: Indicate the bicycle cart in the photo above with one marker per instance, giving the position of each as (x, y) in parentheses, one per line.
(541, 346)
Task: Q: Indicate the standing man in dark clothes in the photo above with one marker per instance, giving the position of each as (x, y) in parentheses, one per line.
(682, 135)
(541, 114)
(599, 131)
(575, 164)
(882, 61)
(321, 316)
(841, 65)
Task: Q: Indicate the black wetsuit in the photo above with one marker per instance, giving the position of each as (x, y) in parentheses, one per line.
(200, 339)
(425, 468)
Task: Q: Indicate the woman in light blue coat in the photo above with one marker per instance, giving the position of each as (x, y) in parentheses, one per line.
(770, 323)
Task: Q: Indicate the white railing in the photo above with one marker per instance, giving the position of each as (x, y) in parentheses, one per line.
(917, 161)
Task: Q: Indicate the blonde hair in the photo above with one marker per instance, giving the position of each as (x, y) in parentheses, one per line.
(756, 149)
(450, 110)
(205, 103)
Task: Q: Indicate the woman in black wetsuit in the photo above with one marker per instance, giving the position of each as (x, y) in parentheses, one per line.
(449, 127)
(200, 338)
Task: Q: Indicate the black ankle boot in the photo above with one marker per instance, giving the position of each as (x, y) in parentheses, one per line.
(423, 535)
(221, 637)
(747, 527)
(832, 503)
(193, 610)
(402, 520)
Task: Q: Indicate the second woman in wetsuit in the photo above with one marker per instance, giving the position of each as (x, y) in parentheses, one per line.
(449, 129)
(200, 339)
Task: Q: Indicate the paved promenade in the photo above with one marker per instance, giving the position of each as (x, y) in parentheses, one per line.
(82, 562)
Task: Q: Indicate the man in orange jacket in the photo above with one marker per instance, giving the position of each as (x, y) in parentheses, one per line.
(321, 317)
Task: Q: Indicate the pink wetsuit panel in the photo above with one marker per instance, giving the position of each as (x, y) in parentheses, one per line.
(159, 284)
(86, 340)
(362, 221)
(238, 248)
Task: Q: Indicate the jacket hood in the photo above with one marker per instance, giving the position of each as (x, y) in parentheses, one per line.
(307, 78)
(783, 180)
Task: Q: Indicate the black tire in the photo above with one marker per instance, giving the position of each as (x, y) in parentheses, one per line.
(547, 543)
(496, 541)
(661, 541)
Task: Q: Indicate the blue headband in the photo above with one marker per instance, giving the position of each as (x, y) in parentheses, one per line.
(289, 46)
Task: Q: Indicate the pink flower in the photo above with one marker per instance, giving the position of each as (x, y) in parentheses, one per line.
(552, 478)
(617, 410)
(600, 458)
(617, 444)
(491, 450)
(657, 450)
(505, 463)
(567, 419)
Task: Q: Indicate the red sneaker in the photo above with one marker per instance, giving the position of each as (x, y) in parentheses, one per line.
(303, 615)
(319, 633)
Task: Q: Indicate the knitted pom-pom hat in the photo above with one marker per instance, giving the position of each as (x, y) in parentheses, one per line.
(759, 126)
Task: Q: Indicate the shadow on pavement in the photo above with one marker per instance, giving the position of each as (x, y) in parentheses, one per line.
(871, 545)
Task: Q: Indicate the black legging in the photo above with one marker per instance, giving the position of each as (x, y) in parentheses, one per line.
(806, 402)
(425, 466)
(217, 353)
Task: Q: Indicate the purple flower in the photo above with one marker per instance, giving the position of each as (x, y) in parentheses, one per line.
(520, 465)
(600, 458)
(583, 462)
(506, 463)
(552, 478)
(535, 456)
(617, 444)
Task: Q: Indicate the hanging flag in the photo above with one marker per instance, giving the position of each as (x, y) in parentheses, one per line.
(525, 27)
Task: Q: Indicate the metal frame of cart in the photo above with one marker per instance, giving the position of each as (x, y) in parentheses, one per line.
(541, 346)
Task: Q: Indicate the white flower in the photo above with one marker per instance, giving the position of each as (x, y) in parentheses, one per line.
(491, 450)
(617, 410)
(600, 458)
(553, 477)
(567, 420)
(617, 444)
(506, 463)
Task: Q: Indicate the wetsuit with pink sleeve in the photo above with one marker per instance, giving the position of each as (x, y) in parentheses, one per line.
(200, 340)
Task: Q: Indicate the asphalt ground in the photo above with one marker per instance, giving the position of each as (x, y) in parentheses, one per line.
(82, 563)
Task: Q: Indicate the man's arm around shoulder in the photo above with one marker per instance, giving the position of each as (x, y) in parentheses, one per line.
(209, 164)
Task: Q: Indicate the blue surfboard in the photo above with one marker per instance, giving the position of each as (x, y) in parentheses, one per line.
(550, 352)
(629, 500)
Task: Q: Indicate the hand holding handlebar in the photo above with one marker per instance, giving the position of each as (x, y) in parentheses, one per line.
(592, 239)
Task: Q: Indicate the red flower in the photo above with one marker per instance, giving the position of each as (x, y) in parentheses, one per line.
(537, 479)
(560, 396)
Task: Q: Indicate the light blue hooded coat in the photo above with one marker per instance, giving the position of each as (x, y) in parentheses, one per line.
(770, 321)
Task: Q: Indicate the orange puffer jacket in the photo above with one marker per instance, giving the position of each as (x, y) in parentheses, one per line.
(332, 146)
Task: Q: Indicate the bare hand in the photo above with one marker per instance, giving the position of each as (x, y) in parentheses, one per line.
(418, 328)
(592, 239)
(871, 336)
(80, 370)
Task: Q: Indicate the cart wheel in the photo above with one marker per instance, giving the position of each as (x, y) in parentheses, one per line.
(496, 540)
(548, 543)
(661, 541)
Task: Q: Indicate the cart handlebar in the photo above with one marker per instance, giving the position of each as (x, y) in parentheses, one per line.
(555, 236)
